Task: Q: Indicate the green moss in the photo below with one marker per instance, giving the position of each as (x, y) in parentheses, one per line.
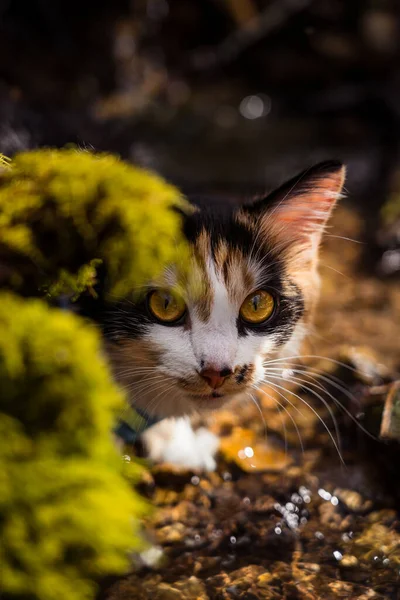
(67, 514)
(60, 210)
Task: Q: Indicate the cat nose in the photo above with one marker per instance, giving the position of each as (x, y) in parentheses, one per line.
(215, 378)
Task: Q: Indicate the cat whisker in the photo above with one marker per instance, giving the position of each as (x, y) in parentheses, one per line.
(151, 408)
(292, 366)
(336, 385)
(285, 409)
(316, 356)
(275, 385)
(139, 386)
(314, 393)
(342, 237)
(278, 408)
(261, 413)
(131, 386)
(334, 270)
(132, 371)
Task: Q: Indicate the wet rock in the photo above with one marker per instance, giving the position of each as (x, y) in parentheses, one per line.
(252, 454)
(206, 564)
(171, 534)
(264, 504)
(152, 557)
(349, 561)
(250, 582)
(353, 500)
(380, 541)
(189, 589)
(386, 516)
(163, 497)
(330, 517)
(183, 512)
(138, 588)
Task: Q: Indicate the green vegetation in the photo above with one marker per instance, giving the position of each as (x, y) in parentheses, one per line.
(62, 212)
(68, 512)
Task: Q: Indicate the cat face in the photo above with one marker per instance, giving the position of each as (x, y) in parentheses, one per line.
(193, 343)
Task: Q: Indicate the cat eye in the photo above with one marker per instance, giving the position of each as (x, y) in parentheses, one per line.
(257, 308)
(166, 306)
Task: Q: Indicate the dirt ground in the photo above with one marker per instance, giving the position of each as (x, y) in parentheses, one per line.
(275, 520)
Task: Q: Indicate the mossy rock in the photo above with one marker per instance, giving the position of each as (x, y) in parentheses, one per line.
(68, 514)
(63, 212)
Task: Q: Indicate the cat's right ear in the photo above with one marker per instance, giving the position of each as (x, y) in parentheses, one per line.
(296, 213)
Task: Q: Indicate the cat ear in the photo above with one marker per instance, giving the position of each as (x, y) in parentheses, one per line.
(297, 212)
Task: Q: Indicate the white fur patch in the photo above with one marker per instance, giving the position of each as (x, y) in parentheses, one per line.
(175, 442)
(215, 341)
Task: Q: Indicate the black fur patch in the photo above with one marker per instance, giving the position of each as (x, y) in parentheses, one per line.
(220, 223)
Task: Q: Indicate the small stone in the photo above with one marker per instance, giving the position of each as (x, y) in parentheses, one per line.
(251, 453)
(353, 500)
(377, 539)
(329, 515)
(312, 567)
(264, 580)
(349, 561)
(188, 589)
(171, 534)
(152, 557)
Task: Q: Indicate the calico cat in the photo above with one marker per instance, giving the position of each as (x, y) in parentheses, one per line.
(187, 345)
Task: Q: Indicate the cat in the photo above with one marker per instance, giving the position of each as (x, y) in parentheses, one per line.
(193, 344)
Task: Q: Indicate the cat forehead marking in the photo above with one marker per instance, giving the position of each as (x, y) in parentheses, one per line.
(228, 275)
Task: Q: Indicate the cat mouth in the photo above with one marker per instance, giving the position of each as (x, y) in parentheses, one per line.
(207, 396)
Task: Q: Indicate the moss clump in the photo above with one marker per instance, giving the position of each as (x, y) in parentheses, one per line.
(60, 210)
(66, 511)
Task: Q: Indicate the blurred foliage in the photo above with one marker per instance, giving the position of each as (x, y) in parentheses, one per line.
(68, 515)
(62, 212)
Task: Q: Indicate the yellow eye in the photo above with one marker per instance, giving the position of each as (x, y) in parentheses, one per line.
(166, 306)
(257, 307)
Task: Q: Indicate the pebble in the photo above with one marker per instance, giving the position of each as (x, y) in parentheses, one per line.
(353, 500)
(348, 561)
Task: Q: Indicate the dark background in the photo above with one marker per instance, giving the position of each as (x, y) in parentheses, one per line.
(220, 95)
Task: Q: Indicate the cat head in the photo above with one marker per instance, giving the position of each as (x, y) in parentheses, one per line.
(248, 298)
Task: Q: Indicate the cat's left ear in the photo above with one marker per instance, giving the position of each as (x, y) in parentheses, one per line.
(297, 212)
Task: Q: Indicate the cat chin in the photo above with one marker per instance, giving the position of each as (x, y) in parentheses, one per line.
(179, 403)
(211, 402)
(197, 404)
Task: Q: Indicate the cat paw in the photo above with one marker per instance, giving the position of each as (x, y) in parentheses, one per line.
(174, 441)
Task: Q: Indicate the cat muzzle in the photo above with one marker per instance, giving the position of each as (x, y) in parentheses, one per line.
(214, 378)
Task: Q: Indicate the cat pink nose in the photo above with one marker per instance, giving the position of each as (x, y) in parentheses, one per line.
(215, 378)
